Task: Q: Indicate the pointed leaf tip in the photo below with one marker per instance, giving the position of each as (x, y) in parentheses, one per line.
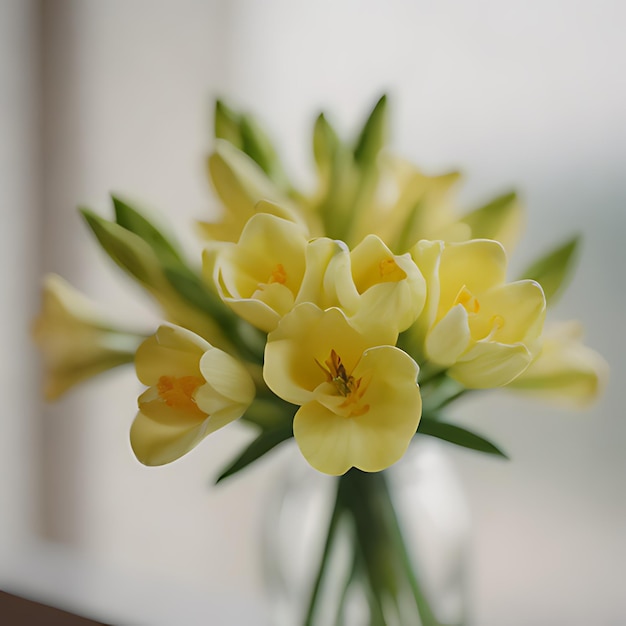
(554, 269)
(132, 220)
(265, 442)
(459, 436)
(373, 136)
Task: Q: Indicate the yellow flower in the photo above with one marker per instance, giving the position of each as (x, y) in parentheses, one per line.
(413, 205)
(360, 404)
(315, 285)
(376, 288)
(566, 371)
(194, 389)
(259, 277)
(75, 340)
(484, 331)
(241, 184)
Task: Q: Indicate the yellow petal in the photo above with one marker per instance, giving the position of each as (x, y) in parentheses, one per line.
(195, 390)
(260, 314)
(478, 265)
(260, 276)
(490, 364)
(303, 339)
(372, 440)
(421, 207)
(283, 210)
(486, 331)
(226, 376)
(277, 297)
(427, 256)
(566, 371)
(171, 351)
(75, 340)
(449, 338)
(239, 182)
(314, 288)
(160, 442)
(520, 309)
(391, 289)
(152, 406)
(339, 285)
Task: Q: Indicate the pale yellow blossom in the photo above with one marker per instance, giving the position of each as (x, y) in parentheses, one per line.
(412, 205)
(376, 288)
(259, 276)
(241, 184)
(360, 404)
(193, 390)
(75, 339)
(484, 331)
(565, 371)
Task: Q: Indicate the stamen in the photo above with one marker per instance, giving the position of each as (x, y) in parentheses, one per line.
(386, 266)
(278, 275)
(467, 300)
(348, 386)
(390, 271)
(177, 392)
(497, 322)
(354, 398)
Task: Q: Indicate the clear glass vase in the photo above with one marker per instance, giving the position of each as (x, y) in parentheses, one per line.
(387, 548)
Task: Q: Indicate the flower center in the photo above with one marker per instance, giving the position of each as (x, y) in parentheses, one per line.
(467, 300)
(177, 392)
(278, 275)
(390, 271)
(351, 388)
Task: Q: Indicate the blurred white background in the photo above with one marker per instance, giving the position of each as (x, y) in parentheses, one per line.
(118, 96)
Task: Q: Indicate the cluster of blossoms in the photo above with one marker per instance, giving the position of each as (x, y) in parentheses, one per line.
(341, 317)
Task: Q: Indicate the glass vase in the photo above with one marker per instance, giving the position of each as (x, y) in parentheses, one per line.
(379, 549)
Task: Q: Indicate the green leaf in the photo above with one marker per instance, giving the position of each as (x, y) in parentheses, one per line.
(192, 289)
(326, 142)
(553, 270)
(265, 442)
(245, 133)
(500, 219)
(128, 250)
(132, 220)
(406, 236)
(227, 124)
(440, 391)
(329, 545)
(337, 178)
(257, 144)
(373, 136)
(458, 436)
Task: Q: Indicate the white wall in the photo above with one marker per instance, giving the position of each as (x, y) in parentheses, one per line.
(516, 94)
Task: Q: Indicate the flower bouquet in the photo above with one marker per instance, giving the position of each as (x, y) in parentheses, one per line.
(347, 318)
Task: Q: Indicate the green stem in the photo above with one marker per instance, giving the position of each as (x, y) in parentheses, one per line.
(380, 555)
(330, 536)
(430, 373)
(348, 583)
(381, 543)
(426, 614)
